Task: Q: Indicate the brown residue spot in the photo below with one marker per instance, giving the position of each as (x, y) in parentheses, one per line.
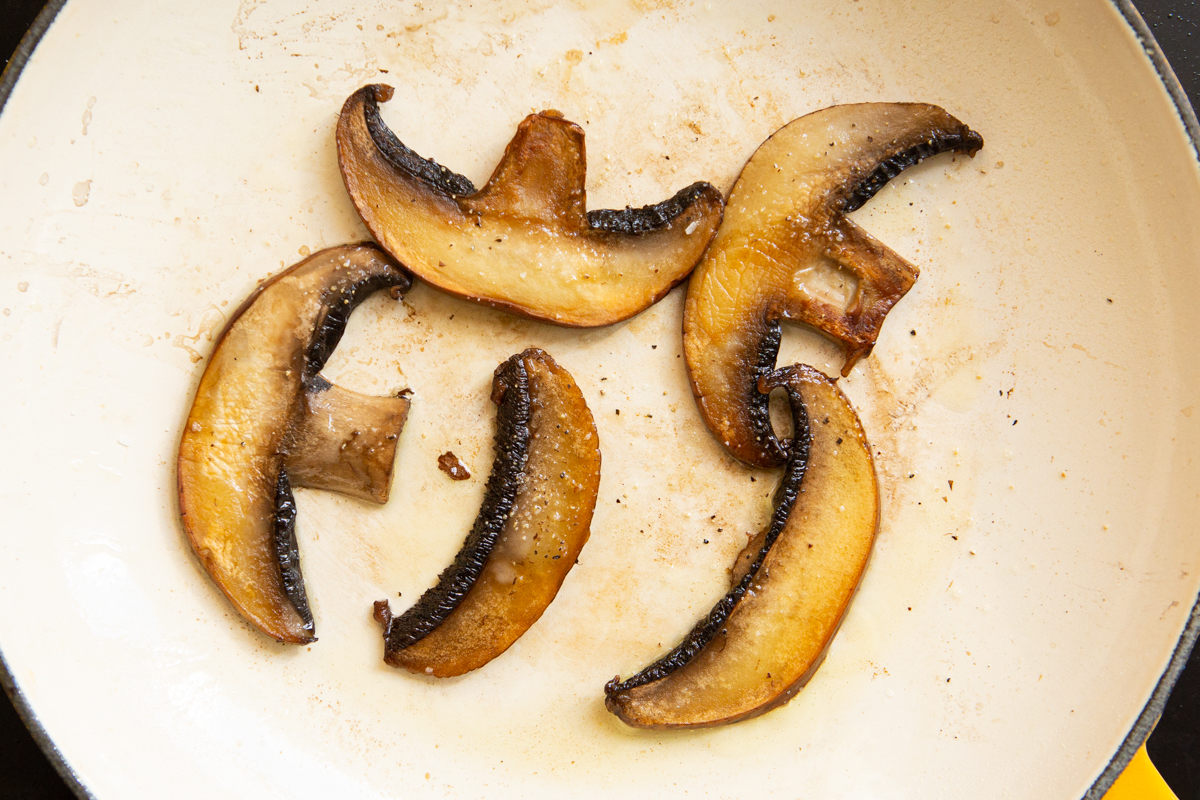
(619, 38)
(87, 114)
(453, 466)
(574, 56)
(1052, 18)
(81, 192)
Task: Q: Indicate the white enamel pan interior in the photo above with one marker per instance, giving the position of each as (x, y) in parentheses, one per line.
(1033, 402)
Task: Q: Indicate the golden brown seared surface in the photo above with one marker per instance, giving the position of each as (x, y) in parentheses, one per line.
(785, 234)
(792, 584)
(524, 242)
(536, 544)
(263, 420)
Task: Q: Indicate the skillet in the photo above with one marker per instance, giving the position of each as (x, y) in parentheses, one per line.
(953, 401)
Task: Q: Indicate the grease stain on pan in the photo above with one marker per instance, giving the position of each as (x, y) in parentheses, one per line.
(212, 321)
(81, 192)
(87, 115)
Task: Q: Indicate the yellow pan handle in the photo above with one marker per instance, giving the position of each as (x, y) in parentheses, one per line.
(1140, 781)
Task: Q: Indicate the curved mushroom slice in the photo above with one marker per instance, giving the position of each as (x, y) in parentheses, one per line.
(785, 230)
(263, 420)
(535, 518)
(791, 585)
(524, 242)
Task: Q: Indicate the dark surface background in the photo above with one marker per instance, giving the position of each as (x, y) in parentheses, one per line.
(25, 774)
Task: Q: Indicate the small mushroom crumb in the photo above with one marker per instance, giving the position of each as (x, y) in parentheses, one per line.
(453, 466)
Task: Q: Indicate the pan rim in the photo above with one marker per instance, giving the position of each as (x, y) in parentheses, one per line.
(1150, 713)
(8, 81)
(1187, 640)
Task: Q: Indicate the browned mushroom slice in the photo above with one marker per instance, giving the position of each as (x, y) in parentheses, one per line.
(784, 228)
(524, 242)
(263, 420)
(791, 585)
(535, 518)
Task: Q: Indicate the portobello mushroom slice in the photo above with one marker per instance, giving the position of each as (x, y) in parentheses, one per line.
(525, 242)
(785, 228)
(264, 421)
(535, 518)
(791, 585)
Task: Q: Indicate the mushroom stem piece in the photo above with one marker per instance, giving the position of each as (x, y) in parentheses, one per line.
(263, 421)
